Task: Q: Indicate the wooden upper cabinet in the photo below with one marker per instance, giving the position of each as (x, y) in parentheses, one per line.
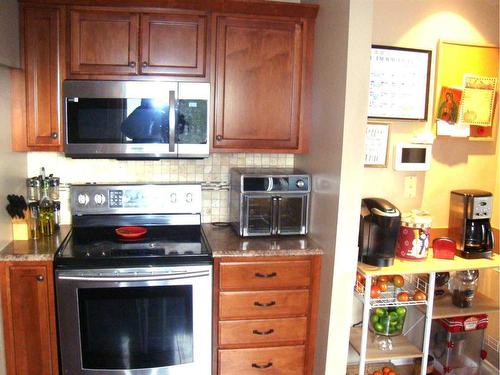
(118, 43)
(259, 68)
(173, 44)
(104, 42)
(43, 48)
(29, 319)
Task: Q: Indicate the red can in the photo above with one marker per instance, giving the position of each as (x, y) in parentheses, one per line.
(413, 237)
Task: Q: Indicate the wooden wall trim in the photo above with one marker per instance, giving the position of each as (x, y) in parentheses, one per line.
(254, 7)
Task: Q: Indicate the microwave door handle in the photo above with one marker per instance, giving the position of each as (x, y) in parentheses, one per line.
(171, 121)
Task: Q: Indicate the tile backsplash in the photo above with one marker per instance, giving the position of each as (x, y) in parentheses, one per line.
(214, 169)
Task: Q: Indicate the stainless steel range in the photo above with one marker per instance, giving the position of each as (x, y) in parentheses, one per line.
(134, 282)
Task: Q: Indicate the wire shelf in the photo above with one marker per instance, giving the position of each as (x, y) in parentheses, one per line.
(389, 297)
(492, 343)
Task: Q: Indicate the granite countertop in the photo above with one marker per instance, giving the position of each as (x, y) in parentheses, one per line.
(225, 242)
(41, 249)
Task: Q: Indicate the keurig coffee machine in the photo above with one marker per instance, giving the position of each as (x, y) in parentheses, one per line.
(469, 223)
(378, 232)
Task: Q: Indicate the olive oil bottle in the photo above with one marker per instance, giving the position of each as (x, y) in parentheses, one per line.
(46, 214)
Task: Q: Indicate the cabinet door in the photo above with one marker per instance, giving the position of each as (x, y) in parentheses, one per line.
(104, 42)
(30, 334)
(43, 74)
(258, 83)
(173, 44)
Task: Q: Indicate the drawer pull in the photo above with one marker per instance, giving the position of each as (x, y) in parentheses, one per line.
(267, 365)
(260, 304)
(266, 275)
(256, 332)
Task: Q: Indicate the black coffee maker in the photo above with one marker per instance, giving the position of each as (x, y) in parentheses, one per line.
(469, 223)
(378, 231)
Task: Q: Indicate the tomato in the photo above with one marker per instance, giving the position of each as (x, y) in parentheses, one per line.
(377, 373)
(398, 281)
(360, 278)
(403, 297)
(419, 296)
(383, 286)
(392, 373)
(375, 291)
(382, 279)
(386, 370)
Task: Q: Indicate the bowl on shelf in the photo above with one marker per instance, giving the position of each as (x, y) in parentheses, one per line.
(387, 321)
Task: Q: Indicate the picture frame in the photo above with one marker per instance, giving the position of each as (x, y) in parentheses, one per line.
(376, 144)
(399, 83)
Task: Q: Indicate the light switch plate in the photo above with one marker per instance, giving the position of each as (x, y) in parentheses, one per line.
(410, 187)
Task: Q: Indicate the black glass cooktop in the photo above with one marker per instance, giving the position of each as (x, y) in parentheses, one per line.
(101, 246)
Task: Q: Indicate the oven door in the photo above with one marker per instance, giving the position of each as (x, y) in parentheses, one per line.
(140, 321)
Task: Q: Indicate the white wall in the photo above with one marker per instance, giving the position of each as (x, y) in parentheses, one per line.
(340, 86)
(9, 33)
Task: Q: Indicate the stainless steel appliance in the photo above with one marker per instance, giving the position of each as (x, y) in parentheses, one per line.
(134, 282)
(133, 120)
(378, 232)
(266, 202)
(469, 223)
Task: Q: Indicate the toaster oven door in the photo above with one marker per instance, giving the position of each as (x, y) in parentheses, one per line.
(258, 215)
(292, 215)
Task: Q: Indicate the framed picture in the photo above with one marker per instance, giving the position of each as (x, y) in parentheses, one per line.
(376, 142)
(399, 83)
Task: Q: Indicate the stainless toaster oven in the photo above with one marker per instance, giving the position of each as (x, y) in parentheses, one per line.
(269, 202)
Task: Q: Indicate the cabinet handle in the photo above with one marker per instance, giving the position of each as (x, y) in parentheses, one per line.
(39, 278)
(219, 137)
(144, 64)
(266, 275)
(256, 332)
(267, 365)
(260, 304)
(132, 64)
(54, 135)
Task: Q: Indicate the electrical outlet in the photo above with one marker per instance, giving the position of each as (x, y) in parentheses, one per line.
(410, 187)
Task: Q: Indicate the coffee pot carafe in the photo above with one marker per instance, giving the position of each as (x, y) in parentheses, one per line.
(469, 223)
(378, 231)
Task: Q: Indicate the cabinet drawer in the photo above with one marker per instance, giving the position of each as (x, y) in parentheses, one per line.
(286, 360)
(268, 304)
(263, 331)
(265, 275)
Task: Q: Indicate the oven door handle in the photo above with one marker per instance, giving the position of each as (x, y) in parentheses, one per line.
(174, 276)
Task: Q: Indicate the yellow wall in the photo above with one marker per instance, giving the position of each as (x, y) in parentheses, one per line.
(457, 163)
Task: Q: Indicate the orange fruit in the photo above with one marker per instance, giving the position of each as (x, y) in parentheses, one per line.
(386, 370)
(392, 373)
(377, 373)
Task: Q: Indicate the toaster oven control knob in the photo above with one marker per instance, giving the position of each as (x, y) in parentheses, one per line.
(173, 198)
(99, 199)
(189, 197)
(83, 199)
(300, 184)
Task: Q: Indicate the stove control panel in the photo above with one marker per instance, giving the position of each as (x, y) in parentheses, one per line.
(133, 199)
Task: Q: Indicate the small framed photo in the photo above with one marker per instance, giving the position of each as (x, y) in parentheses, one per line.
(376, 142)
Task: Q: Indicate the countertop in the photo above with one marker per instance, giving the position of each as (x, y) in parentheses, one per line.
(41, 249)
(224, 242)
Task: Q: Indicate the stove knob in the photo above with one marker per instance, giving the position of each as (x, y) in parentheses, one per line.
(173, 198)
(189, 197)
(300, 184)
(83, 199)
(99, 199)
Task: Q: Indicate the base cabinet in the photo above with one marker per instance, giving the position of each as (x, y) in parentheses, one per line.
(29, 318)
(265, 318)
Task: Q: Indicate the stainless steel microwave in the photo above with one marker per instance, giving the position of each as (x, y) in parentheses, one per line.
(269, 202)
(136, 119)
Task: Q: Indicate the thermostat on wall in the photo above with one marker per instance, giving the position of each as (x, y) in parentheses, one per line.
(412, 157)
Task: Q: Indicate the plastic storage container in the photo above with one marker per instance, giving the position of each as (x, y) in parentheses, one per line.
(457, 344)
(413, 238)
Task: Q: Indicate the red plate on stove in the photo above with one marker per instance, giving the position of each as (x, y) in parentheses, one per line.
(131, 232)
